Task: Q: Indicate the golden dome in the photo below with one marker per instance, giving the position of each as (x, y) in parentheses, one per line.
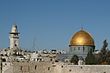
(82, 38)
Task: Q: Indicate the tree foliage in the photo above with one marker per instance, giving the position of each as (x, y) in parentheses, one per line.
(104, 48)
(90, 59)
(104, 55)
(74, 59)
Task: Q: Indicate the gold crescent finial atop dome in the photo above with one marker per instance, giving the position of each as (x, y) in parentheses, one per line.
(82, 38)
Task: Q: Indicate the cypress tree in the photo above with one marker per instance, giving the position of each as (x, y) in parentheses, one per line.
(90, 59)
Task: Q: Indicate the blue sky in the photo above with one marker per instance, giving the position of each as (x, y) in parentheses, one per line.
(51, 23)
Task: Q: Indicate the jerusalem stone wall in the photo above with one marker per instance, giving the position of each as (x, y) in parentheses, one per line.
(86, 69)
(49, 67)
(32, 67)
(7, 67)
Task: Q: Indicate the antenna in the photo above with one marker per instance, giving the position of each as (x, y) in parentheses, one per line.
(34, 42)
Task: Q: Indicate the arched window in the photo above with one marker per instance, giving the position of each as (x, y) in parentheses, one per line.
(83, 48)
(61, 66)
(35, 67)
(21, 67)
(78, 48)
(48, 68)
(70, 70)
(74, 48)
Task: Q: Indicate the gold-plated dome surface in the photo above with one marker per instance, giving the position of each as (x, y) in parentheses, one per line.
(82, 38)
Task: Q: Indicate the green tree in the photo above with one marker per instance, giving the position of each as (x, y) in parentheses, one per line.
(104, 50)
(90, 59)
(104, 54)
(74, 59)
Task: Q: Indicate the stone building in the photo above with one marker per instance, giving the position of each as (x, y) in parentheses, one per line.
(81, 43)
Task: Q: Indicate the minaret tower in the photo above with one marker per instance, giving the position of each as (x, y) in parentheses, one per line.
(14, 37)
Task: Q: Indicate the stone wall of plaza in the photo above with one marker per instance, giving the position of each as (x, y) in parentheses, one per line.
(49, 67)
(86, 69)
(28, 67)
